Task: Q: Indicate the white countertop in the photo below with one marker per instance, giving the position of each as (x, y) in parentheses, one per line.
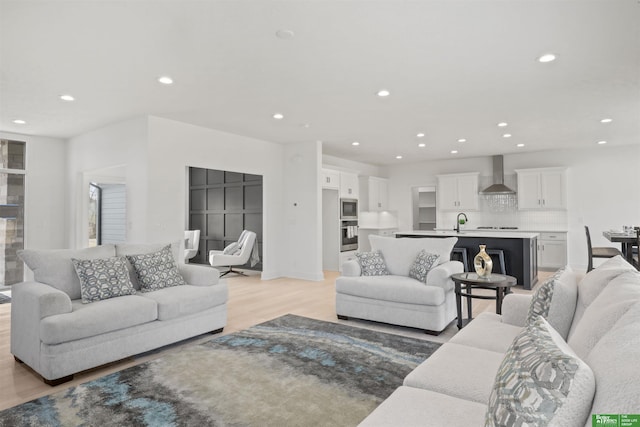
(496, 234)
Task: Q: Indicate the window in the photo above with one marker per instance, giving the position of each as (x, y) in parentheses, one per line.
(12, 183)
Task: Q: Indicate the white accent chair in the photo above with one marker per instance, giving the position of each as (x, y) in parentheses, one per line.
(191, 244)
(236, 253)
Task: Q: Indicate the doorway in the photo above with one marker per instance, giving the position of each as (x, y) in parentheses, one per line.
(107, 213)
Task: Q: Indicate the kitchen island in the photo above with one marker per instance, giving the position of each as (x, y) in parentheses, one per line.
(520, 249)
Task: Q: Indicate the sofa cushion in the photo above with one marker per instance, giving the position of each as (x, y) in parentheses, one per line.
(88, 320)
(594, 282)
(488, 332)
(54, 267)
(421, 266)
(408, 406)
(614, 301)
(181, 301)
(458, 370)
(399, 253)
(156, 270)
(541, 382)
(103, 278)
(390, 288)
(372, 263)
(555, 300)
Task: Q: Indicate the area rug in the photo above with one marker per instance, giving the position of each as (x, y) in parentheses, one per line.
(4, 299)
(290, 371)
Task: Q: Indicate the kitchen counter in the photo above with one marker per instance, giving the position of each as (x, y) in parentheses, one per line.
(519, 247)
(498, 234)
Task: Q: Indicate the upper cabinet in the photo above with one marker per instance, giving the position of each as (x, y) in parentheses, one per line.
(348, 185)
(543, 188)
(374, 194)
(330, 179)
(458, 192)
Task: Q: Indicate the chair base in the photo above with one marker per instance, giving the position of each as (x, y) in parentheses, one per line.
(231, 270)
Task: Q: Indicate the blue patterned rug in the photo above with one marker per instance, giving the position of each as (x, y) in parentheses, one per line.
(290, 371)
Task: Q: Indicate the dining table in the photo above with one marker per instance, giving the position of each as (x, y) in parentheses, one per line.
(627, 240)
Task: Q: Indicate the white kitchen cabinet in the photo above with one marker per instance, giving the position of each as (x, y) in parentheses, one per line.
(330, 179)
(374, 194)
(552, 250)
(349, 185)
(543, 188)
(458, 192)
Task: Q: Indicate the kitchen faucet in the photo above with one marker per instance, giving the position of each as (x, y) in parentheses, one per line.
(458, 221)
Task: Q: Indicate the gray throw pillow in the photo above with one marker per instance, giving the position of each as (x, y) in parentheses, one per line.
(540, 382)
(423, 263)
(103, 278)
(372, 263)
(156, 270)
(555, 300)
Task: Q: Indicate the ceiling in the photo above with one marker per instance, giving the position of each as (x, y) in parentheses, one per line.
(454, 68)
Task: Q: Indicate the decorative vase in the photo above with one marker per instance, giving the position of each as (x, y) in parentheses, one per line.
(482, 262)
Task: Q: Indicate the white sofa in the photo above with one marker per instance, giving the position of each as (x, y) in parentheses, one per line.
(598, 313)
(55, 334)
(397, 298)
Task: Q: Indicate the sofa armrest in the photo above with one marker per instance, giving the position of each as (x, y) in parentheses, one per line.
(515, 308)
(351, 268)
(441, 275)
(199, 275)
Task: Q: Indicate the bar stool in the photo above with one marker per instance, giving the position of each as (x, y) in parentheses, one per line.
(500, 254)
(462, 255)
(598, 252)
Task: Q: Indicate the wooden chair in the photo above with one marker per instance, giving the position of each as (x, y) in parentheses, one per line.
(598, 252)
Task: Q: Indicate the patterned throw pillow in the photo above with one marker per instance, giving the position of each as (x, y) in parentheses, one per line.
(540, 382)
(555, 300)
(372, 263)
(103, 278)
(422, 265)
(156, 270)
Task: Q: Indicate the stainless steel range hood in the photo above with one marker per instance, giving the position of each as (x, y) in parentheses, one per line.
(498, 186)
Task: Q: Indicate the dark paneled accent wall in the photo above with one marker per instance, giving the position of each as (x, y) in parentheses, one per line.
(221, 205)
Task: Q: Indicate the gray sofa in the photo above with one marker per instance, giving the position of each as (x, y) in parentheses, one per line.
(55, 334)
(461, 384)
(397, 298)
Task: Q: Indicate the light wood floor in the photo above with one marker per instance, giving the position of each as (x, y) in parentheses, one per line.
(251, 301)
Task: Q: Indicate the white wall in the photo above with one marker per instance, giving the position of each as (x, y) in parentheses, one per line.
(175, 146)
(602, 188)
(45, 193)
(118, 147)
(303, 210)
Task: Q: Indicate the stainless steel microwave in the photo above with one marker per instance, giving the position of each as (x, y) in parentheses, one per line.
(348, 209)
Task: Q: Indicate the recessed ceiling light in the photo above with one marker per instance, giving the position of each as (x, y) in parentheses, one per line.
(502, 124)
(165, 80)
(355, 143)
(278, 116)
(383, 93)
(19, 122)
(67, 98)
(606, 120)
(506, 135)
(462, 140)
(398, 157)
(422, 145)
(454, 151)
(520, 145)
(285, 34)
(420, 135)
(547, 57)
(602, 142)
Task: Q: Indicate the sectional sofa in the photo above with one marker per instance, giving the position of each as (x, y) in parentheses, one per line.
(567, 356)
(59, 328)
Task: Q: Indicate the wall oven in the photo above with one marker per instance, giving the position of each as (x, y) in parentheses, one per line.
(348, 209)
(348, 235)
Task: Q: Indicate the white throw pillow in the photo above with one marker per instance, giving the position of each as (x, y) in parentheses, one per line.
(555, 300)
(541, 382)
(231, 248)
